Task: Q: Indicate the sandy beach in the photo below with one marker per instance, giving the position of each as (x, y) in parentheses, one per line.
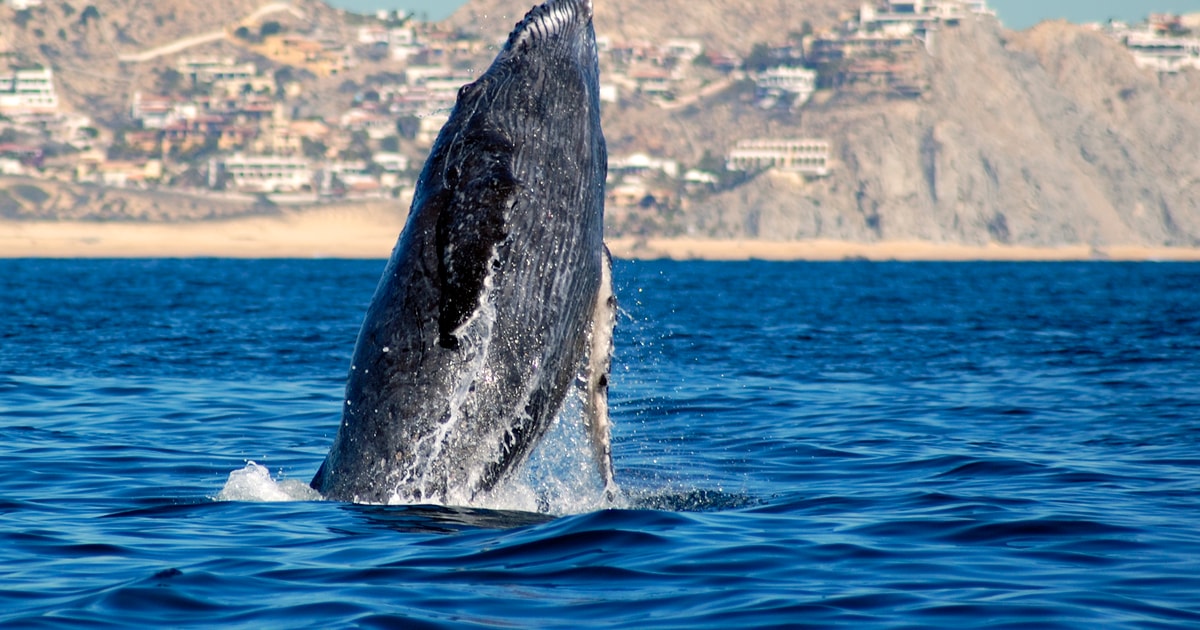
(370, 231)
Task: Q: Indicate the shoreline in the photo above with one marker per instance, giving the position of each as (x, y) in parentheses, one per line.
(900, 251)
(370, 232)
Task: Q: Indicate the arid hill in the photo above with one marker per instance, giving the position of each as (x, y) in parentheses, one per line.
(84, 41)
(1049, 136)
(1046, 137)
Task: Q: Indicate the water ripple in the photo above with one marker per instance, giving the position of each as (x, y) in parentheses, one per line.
(799, 445)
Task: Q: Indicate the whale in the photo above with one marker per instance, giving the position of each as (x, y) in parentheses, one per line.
(496, 303)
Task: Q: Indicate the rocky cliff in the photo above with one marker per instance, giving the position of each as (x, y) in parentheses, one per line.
(1045, 137)
(1049, 136)
(84, 41)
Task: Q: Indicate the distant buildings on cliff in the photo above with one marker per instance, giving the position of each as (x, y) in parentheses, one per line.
(223, 123)
(804, 156)
(27, 91)
(1165, 42)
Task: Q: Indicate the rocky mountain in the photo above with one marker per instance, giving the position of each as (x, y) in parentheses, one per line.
(84, 40)
(1046, 137)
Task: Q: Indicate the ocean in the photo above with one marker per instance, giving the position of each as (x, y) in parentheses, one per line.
(824, 445)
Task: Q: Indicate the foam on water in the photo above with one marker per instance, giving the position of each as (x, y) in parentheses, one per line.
(254, 483)
(561, 476)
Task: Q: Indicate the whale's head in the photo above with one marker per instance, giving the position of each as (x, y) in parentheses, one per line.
(542, 90)
(558, 28)
(536, 106)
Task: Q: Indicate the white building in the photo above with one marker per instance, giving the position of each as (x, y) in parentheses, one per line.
(1162, 53)
(917, 17)
(640, 164)
(266, 173)
(800, 82)
(391, 162)
(376, 125)
(684, 48)
(28, 91)
(351, 178)
(402, 36)
(807, 156)
(391, 15)
(979, 7)
(158, 111)
(204, 70)
(10, 166)
(373, 34)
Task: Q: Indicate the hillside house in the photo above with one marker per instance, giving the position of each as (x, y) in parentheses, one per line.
(1163, 43)
(802, 155)
(28, 91)
(377, 126)
(209, 70)
(640, 164)
(119, 173)
(155, 111)
(1164, 54)
(261, 174)
(322, 58)
(778, 81)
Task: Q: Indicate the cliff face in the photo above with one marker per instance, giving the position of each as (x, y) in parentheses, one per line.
(83, 41)
(1049, 136)
(1046, 137)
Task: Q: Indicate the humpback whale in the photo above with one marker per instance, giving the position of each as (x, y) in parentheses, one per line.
(496, 303)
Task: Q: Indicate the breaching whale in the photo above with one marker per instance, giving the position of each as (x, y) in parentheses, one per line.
(496, 301)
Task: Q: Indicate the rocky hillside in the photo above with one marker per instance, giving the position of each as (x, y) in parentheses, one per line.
(83, 40)
(1045, 137)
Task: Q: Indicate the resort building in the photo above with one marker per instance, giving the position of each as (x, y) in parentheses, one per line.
(806, 156)
(639, 164)
(321, 57)
(265, 174)
(780, 80)
(28, 91)
(1164, 42)
(207, 70)
(886, 27)
(1162, 53)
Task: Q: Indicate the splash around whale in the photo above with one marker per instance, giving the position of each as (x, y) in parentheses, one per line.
(496, 304)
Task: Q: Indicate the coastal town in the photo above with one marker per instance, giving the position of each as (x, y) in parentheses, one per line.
(228, 127)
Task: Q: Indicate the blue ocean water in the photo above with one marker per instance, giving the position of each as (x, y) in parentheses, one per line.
(801, 445)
